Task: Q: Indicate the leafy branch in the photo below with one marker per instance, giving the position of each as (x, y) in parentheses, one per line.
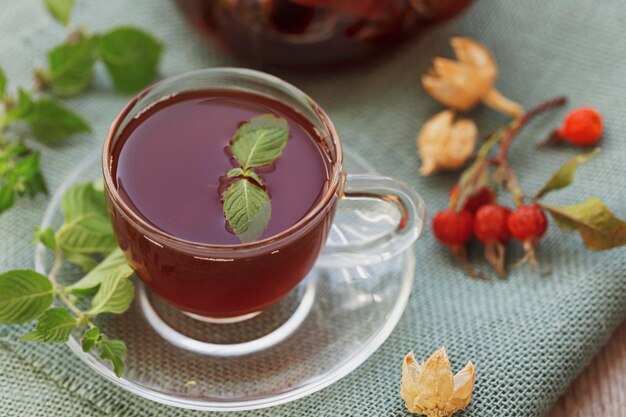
(129, 55)
(246, 202)
(84, 238)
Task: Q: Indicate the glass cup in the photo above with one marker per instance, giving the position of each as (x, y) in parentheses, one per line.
(229, 283)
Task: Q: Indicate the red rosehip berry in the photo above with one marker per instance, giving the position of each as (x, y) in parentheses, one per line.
(490, 223)
(452, 228)
(483, 196)
(527, 223)
(582, 126)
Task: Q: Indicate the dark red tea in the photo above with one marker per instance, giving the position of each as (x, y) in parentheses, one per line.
(167, 165)
(169, 161)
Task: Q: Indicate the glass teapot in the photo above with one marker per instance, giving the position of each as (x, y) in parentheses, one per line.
(296, 33)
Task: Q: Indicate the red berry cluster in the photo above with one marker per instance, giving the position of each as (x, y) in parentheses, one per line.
(492, 224)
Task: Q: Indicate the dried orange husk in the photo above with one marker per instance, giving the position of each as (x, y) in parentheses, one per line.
(445, 144)
(464, 83)
(431, 389)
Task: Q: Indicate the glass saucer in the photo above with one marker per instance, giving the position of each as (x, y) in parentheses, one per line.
(328, 326)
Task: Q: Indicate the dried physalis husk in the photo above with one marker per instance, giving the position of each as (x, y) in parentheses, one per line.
(445, 144)
(430, 388)
(463, 83)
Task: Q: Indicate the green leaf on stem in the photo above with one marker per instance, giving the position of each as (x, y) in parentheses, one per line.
(70, 66)
(235, 172)
(7, 197)
(3, 83)
(20, 173)
(23, 107)
(53, 326)
(91, 338)
(565, 175)
(50, 121)
(131, 57)
(598, 227)
(45, 237)
(60, 10)
(113, 264)
(24, 295)
(87, 230)
(115, 294)
(247, 209)
(260, 141)
(114, 351)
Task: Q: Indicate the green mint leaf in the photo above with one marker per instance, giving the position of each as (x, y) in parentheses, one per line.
(50, 121)
(23, 108)
(247, 210)
(70, 66)
(7, 197)
(114, 351)
(260, 141)
(3, 83)
(45, 237)
(114, 263)
(235, 172)
(24, 295)
(131, 57)
(60, 10)
(81, 199)
(26, 176)
(595, 223)
(53, 326)
(251, 174)
(565, 175)
(87, 230)
(115, 294)
(91, 338)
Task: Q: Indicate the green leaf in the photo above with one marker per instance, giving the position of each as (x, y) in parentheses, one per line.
(23, 108)
(247, 210)
(114, 351)
(82, 199)
(51, 121)
(90, 339)
(24, 295)
(235, 172)
(45, 237)
(55, 325)
(27, 177)
(114, 263)
(3, 83)
(131, 57)
(115, 294)
(87, 230)
(249, 173)
(70, 66)
(7, 197)
(260, 141)
(20, 173)
(565, 175)
(598, 227)
(60, 10)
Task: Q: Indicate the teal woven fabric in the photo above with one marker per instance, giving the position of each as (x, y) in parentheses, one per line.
(528, 336)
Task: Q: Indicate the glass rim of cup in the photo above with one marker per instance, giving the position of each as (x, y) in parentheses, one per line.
(336, 177)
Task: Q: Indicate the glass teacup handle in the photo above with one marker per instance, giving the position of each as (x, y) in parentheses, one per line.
(377, 218)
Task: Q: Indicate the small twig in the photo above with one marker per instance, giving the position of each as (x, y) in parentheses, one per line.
(52, 276)
(58, 261)
(518, 125)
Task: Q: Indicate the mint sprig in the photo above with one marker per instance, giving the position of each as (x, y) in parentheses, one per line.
(84, 238)
(131, 57)
(246, 203)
